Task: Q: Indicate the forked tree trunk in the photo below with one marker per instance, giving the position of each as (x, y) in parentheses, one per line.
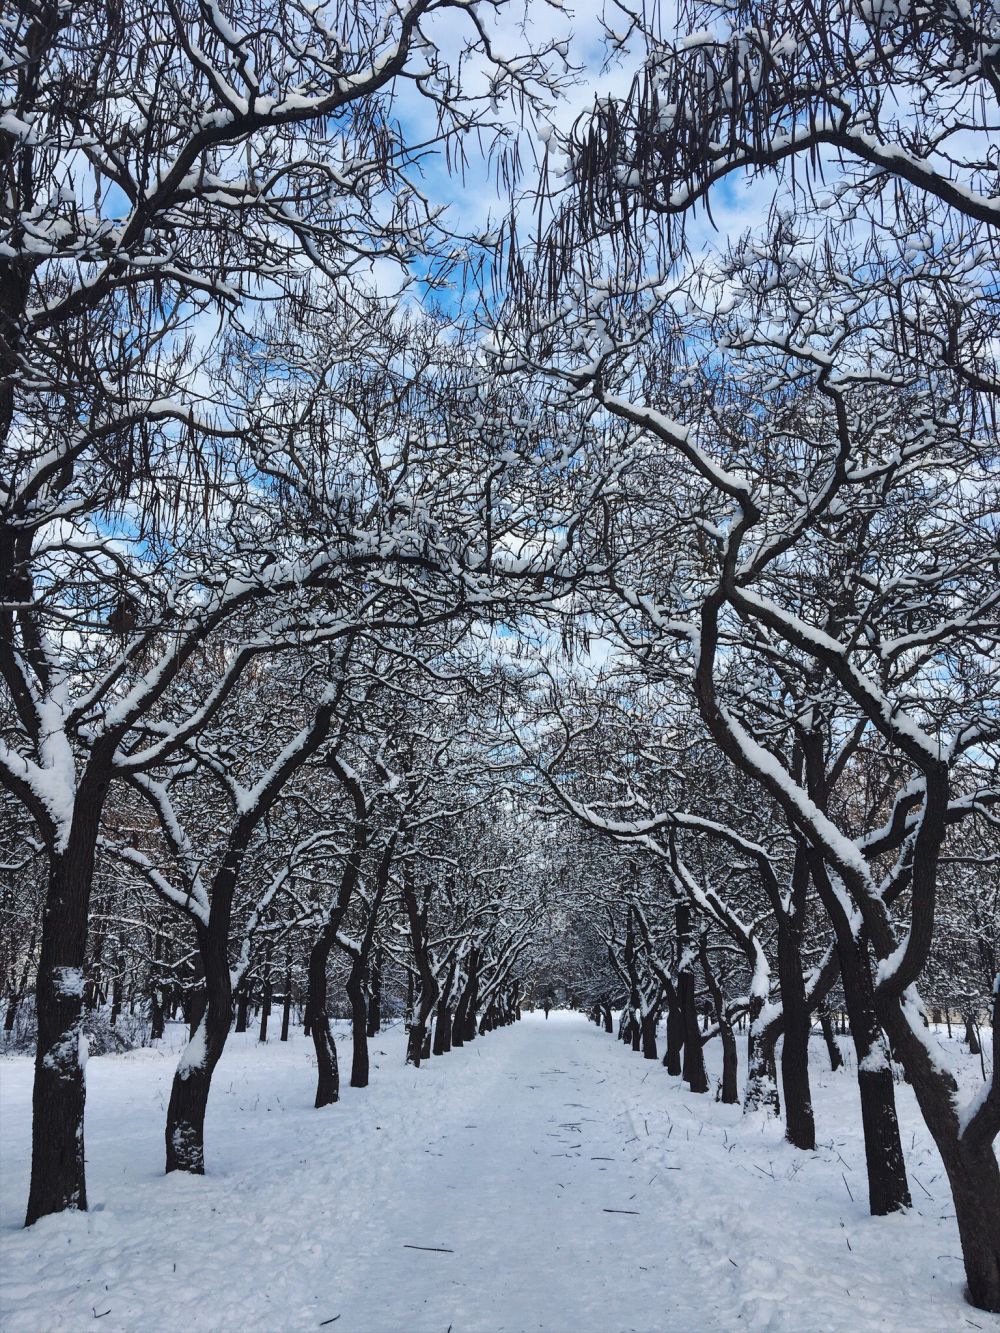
(418, 1039)
(442, 1019)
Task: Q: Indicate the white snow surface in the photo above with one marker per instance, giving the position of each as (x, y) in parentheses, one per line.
(511, 1154)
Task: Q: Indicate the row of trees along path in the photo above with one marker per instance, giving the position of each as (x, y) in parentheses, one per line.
(642, 594)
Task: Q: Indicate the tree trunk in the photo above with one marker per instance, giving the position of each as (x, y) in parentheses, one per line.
(442, 1020)
(458, 1022)
(693, 1061)
(800, 1128)
(469, 1032)
(888, 1189)
(58, 1178)
(242, 1007)
(286, 1003)
(971, 1164)
(442, 1029)
(359, 1023)
(761, 1093)
(265, 1001)
(649, 1035)
(375, 1000)
(833, 1050)
(327, 1071)
(971, 1035)
(675, 1033)
(156, 1008)
(729, 1091)
(418, 1042)
(185, 1133)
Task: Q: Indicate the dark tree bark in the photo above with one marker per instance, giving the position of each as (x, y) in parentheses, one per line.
(375, 995)
(675, 1032)
(185, 1131)
(327, 1069)
(762, 1077)
(266, 993)
(286, 1003)
(729, 1091)
(971, 1035)
(418, 1043)
(693, 1058)
(833, 1050)
(156, 1008)
(800, 1127)
(635, 1031)
(966, 1151)
(358, 986)
(472, 1000)
(888, 1189)
(359, 1022)
(243, 1006)
(57, 1148)
(443, 1020)
(648, 1027)
(460, 1020)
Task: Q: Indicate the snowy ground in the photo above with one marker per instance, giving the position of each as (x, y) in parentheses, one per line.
(568, 1184)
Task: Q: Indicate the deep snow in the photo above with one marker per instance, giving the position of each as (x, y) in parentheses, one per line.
(573, 1186)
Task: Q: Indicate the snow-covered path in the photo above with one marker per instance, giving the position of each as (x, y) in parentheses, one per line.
(557, 1181)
